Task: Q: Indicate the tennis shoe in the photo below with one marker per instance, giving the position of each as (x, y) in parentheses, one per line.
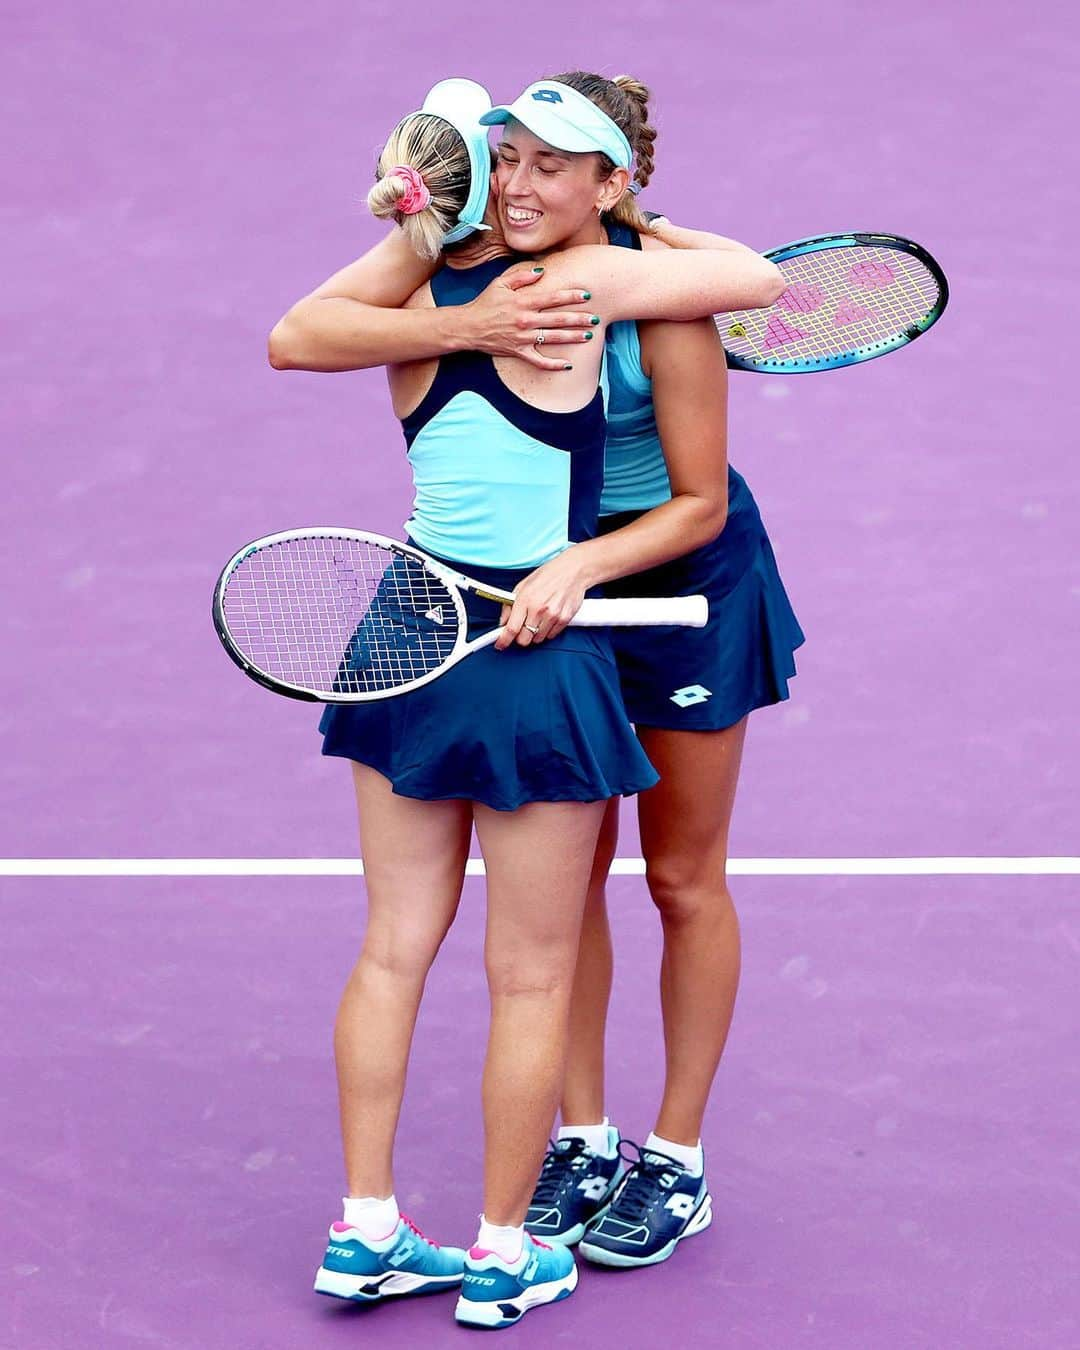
(404, 1262)
(574, 1189)
(497, 1293)
(658, 1203)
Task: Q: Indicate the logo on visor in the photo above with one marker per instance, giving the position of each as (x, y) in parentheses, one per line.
(547, 96)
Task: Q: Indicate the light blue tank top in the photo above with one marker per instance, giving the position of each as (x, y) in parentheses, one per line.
(498, 482)
(635, 475)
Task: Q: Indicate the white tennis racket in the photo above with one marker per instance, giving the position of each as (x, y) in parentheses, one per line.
(344, 616)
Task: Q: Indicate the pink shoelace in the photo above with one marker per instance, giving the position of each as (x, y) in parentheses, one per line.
(409, 1224)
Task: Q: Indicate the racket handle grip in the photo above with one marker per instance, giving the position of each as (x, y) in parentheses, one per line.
(688, 611)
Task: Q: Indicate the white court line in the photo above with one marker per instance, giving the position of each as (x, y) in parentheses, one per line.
(341, 867)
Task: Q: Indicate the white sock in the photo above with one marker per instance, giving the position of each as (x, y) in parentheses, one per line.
(373, 1218)
(506, 1241)
(693, 1159)
(602, 1139)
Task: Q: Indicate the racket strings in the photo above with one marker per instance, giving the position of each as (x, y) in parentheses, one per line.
(839, 301)
(337, 615)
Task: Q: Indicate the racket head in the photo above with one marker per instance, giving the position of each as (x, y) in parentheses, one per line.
(850, 298)
(332, 615)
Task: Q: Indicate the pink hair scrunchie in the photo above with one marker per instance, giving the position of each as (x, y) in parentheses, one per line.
(417, 193)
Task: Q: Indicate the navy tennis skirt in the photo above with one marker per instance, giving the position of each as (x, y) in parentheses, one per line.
(705, 679)
(530, 724)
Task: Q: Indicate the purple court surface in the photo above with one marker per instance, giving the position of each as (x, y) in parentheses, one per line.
(893, 1144)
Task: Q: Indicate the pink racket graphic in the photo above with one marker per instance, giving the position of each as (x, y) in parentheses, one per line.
(780, 333)
(872, 275)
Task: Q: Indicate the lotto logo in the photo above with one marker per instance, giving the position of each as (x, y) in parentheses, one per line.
(548, 96)
(531, 1269)
(682, 1206)
(402, 1254)
(594, 1188)
(691, 695)
(341, 1251)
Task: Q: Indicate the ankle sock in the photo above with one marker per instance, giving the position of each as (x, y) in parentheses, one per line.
(506, 1241)
(603, 1139)
(691, 1157)
(373, 1218)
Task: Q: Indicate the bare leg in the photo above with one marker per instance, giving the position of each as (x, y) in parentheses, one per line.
(684, 834)
(583, 1089)
(538, 862)
(414, 863)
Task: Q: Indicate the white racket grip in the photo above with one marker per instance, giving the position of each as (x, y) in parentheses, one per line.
(687, 611)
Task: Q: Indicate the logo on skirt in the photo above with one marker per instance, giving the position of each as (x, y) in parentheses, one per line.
(691, 695)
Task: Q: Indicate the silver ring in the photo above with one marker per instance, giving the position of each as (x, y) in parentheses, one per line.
(531, 629)
(538, 341)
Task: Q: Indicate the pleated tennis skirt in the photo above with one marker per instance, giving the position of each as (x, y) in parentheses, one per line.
(529, 724)
(705, 679)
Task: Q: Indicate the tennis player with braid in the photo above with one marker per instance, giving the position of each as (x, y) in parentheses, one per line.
(689, 694)
(507, 460)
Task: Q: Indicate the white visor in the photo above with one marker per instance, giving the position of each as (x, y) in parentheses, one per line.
(566, 120)
(462, 103)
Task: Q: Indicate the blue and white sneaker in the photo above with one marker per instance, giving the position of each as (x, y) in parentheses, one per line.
(575, 1188)
(496, 1293)
(406, 1262)
(656, 1206)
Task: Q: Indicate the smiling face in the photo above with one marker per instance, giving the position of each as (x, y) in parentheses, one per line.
(548, 198)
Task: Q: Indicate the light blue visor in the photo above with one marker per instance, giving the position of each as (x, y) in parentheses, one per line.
(566, 120)
(461, 103)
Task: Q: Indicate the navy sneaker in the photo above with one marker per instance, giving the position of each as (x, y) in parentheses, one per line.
(405, 1262)
(496, 1293)
(575, 1188)
(657, 1205)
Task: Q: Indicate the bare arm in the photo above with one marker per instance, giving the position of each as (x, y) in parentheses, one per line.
(689, 381)
(678, 236)
(351, 322)
(665, 283)
(354, 320)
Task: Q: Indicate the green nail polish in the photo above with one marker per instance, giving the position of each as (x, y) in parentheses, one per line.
(595, 318)
(588, 336)
(538, 269)
(568, 366)
(586, 295)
